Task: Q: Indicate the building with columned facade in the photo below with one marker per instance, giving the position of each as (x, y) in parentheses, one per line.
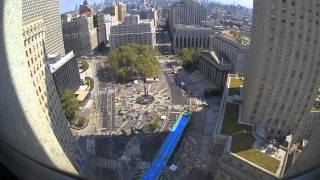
(233, 48)
(191, 36)
(215, 66)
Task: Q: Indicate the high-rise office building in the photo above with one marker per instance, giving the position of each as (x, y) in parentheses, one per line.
(133, 30)
(80, 35)
(187, 12)
(35, 137)
(101, 27)
(282, 74)
(46, 99)
(49, 10)
(108, 22)
(148, 12)
(118, 10)
(280, 85)
(122, 11)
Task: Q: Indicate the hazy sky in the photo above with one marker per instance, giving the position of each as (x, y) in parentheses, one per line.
(246, 3)
(67, 5)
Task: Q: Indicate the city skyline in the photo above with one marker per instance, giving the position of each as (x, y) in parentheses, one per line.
(69, 5)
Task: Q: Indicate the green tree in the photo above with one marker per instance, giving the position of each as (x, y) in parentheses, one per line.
(89, 82)
(70, 105)
(133, 60)
(155, 124)
(81, 121)
(189, 57)
(185, 55)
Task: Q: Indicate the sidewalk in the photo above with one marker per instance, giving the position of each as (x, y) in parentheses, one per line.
(92, 104)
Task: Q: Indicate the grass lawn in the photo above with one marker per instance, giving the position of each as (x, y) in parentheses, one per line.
(242, 142)
(83, 65)
(89, 81)
(230, 121)
(242, 146)
(235, 83)
(260, 159)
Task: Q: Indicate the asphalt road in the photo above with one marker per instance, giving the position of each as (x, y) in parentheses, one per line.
(176, 93)
(106, 97)
(104, 116)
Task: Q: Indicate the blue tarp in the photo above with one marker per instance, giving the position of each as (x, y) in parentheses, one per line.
(167, 148)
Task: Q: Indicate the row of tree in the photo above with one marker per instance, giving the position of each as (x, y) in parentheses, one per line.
(70, 105)
(133, 61)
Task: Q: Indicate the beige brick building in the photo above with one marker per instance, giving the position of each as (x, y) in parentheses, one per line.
(49, 10)
(55, 134)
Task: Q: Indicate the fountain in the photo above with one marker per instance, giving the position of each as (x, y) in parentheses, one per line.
(145, 98)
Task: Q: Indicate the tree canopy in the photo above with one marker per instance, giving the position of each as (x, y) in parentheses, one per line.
(133, 60)
(154, 125)
(188, 57)
(70, 105)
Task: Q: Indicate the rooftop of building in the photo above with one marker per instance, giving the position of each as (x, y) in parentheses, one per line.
(58, 61)
(245, 145)
(216, 57)
(141, 21)
(190, 27)
(185, 2)
(235, 84)
(236, 37)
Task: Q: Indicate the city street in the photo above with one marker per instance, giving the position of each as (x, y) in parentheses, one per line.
(106, 98)
(101, 116)
(176, 93)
